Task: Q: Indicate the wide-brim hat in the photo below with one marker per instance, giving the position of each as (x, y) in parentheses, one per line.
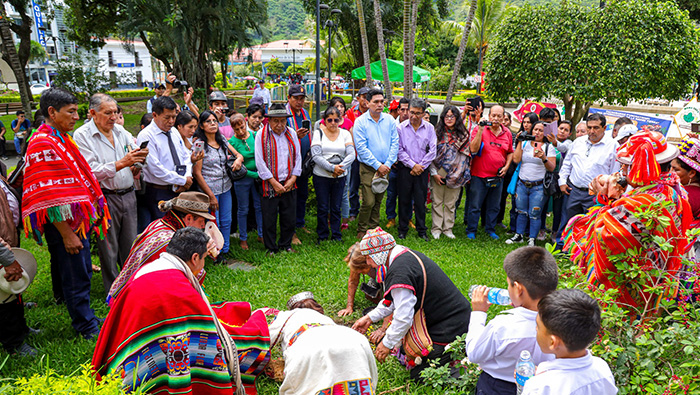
(690, 152)
(195, 203)
(663, 151)
(278, 110)
(380, 184)
(29, 266)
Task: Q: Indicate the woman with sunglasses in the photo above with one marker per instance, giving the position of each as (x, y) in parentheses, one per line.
(333, 151)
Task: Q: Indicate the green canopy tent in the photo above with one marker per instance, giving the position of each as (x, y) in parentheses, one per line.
(395, 72)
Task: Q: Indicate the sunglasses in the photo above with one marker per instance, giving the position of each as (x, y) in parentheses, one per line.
(333, 120)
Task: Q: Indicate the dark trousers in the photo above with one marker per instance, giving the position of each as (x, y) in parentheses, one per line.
(488, 385)
(284, 208)
(70, 277)
(578, 202)
(329, 196)
(14, 328)
(489, 196)
(354, 189)
(2, 147)
(414, 189)
(153, 196)
(391, 195)
(302, 196)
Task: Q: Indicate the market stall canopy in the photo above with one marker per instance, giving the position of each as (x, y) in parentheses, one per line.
(395, 68)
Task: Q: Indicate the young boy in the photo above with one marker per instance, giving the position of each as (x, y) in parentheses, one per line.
(531, 273)
(567, 322)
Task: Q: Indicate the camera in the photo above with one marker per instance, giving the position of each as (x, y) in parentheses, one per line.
(485, 123)
(181, 85)
(526, 137)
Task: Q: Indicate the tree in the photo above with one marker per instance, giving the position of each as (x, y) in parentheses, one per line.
(489, 14)
(37, 52)
(460, 52)
(18, 57)
(82, 74)
(382, 52)
(573, 53)
(365, 45)
(274, 66)
(407, 71)
(183, 35)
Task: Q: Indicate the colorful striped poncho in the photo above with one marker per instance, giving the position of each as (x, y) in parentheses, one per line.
(59, 186)
(611, 229)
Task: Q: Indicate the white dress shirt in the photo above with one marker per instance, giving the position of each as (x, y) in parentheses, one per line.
(563, 146)
(496, 347)
(403, 308)
(161, 168)
(102, 156)
(586, 161)
(587, 375)
(283, 153)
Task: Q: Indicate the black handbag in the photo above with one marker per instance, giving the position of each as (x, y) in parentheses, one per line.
(234, 175)
(307, 165)
(551, 182)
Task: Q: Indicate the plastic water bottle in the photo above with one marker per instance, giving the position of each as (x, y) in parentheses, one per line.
(497, 296)
(524, 370)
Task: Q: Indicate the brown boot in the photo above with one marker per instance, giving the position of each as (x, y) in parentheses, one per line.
(244, 245)
(295, 240)
(390, 223)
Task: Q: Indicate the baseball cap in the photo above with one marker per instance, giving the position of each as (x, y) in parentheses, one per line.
(363, 91)
(625, 131)
(296, 90)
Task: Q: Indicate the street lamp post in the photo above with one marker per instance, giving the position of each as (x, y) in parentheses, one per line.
(294, 58)
(331, 26)
(317, 85)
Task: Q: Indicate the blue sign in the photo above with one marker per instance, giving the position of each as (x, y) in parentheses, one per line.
(641, 121)
(39, 22)
(126, 65)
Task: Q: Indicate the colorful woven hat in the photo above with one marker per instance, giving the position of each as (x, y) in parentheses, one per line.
(643, 152)
(377, 244)
(690, 152)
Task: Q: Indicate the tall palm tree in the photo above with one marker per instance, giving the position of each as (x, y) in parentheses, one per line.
(407, 71)
(365, 44)
(460, 52)
(382, 52)
(489, 14)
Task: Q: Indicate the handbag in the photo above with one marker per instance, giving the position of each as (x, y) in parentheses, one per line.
(234, 175)
(417, 343)
(551, 182)
(307, 165)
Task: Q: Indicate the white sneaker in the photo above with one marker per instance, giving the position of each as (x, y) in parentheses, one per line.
(235, 235)
(531, 241)
(449, 235)
(436, 234)
(515, 239)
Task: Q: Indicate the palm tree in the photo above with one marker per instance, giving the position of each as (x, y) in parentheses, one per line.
(365, 44)
(382, 52)
(407, 71)
(489, 13)
(460, 52)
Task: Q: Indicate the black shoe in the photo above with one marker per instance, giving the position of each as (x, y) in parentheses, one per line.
(25, 350)
(33, 331)
(92, 335)
(424, 237)
(402, 236)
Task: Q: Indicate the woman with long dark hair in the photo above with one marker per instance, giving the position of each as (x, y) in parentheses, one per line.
(186, 124)
(450, 170)
(211, 173)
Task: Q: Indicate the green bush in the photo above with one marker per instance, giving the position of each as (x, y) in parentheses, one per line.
(16, 98)
(131, 93)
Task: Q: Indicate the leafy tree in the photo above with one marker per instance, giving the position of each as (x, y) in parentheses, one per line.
(388, 89)
(17, 57)
(274, 66)
(460, 54)
(37, 52)
(82, 74)
(574, 53)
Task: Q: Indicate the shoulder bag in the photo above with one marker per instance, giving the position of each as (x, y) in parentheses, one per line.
(551, 180)
(308, 164)
(234, 175)
(417, 343)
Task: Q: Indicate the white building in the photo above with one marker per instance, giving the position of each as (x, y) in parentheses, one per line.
(286, 51)
(129, 64)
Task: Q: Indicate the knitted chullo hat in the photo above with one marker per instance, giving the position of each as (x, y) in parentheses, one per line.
(377, 244)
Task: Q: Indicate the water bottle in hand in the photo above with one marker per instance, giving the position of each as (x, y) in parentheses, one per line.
(523, 370)
(497, 296)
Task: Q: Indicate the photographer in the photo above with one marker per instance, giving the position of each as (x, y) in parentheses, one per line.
(492, 147)
(219, 107)
(537, 158)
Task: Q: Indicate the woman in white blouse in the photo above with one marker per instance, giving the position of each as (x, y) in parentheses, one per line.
(333, 152)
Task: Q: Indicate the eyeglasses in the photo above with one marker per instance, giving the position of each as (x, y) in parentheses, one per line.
(333, 120)
(416, 114)
(450, 117)
(211, 121)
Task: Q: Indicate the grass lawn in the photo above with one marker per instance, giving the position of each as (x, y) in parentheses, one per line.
(315, 268)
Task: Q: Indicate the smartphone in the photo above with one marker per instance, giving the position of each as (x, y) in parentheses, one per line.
(144, 145)
(198, 146)
(306, 124)
(536, 145)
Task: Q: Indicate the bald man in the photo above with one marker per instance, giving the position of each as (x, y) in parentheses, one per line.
(492, 147)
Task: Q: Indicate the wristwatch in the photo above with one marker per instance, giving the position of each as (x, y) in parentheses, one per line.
(544, 160)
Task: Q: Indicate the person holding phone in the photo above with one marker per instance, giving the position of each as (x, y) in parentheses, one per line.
(109, 150)
(20, 126)
(538, 157)
(300, 122)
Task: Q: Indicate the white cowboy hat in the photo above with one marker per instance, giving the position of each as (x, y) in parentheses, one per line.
(8, 290)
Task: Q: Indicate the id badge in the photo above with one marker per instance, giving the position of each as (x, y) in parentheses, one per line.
(181, 170)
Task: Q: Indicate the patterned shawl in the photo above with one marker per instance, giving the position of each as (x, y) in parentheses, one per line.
(610, 228)
(59, 186)
(454, 156)
(147, 248)
(269, 147)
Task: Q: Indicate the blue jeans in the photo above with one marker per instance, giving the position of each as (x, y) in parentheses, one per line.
(529, 205)
(488, 196)
(244, 188)
(391, 195)
(223, 217)
(354, 188)
(70, 278)
(328, 199)
(18, 145)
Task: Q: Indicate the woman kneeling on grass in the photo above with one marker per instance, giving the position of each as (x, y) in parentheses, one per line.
(320, 356)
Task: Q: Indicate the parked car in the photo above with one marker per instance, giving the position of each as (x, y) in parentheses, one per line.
(37, 89)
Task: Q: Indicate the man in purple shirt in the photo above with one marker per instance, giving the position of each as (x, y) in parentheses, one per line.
(278, 159)
(417, 143)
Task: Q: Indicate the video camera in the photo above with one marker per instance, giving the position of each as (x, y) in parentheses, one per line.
(181, 85)
(525, 137)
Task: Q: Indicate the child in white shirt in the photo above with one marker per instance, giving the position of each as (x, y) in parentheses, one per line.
(567, 322)
(531, 273)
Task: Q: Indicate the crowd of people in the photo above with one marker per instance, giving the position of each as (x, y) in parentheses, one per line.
(202, 179)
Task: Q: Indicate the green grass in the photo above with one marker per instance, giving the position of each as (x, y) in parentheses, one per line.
(319, 269)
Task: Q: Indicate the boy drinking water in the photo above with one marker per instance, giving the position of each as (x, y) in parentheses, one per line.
(531, 273)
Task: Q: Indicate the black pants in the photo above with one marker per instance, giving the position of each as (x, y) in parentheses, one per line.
(153, 196)
(488, 385)
(14, 328)
(284, 208)
(412, 189)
